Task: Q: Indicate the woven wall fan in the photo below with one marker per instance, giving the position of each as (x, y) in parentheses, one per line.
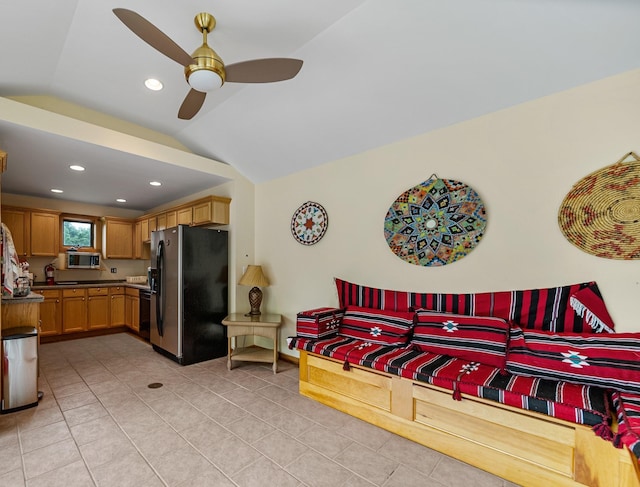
(601, 213)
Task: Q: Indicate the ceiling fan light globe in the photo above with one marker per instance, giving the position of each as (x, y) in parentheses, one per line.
(204, 80)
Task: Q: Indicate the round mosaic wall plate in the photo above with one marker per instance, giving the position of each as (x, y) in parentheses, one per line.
(601, 213)
(435, 223)
(309, 223)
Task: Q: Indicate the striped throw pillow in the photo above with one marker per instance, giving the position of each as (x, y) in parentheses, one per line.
(384, 327)
(474, 338)
(607, 360)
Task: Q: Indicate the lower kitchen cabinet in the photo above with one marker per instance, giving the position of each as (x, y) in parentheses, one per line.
(74, 310)
(98, 305)
(50, 312)
(116, 296)
(132, 308)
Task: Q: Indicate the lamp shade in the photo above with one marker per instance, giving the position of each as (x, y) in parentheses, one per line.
(253, 276)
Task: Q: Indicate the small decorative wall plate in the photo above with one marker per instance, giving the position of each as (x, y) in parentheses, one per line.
(309, 223)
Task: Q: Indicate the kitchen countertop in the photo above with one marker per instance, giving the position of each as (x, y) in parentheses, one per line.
(40, 286)
(31, 297)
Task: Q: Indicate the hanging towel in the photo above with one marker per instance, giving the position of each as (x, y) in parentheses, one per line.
(10, 262)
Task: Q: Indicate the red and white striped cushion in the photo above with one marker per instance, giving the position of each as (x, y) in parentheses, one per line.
(607, 360)
(474, 338)
(377, 326)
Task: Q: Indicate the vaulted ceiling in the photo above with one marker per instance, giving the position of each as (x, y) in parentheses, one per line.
(374, 72)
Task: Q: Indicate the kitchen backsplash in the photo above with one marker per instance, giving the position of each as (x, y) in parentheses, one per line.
(124, 268)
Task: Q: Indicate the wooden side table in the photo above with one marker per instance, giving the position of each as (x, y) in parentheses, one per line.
(264, 325)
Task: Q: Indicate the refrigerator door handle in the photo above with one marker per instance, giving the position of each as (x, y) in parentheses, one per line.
(159, 278)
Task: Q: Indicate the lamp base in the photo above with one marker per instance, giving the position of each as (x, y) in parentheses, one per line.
(255, 300)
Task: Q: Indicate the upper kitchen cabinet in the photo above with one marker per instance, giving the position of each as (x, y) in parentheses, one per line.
(18, 222)
(161, 221)
(185, 216)
(117, 238)
(45, 233)
(140, 247)
(166, 220)
(35, 232)
(148, 225)
(171, 218)
(212, 210)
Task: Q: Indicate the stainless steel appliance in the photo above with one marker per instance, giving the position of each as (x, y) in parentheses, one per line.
(83, 260)
(20, 368)
(189, 293)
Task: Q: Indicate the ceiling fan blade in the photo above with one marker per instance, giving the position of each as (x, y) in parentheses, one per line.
(153, 36)
(263, 70)
(191, 104)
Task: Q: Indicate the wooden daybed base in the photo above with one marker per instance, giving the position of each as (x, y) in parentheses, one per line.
(524, 447)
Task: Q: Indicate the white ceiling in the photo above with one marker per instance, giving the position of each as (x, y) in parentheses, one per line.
(374, 72)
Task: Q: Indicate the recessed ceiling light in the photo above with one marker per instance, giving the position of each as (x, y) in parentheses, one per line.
(57, 191)
(155, 183)
(121, 200)
(153, 84)
(75, 167)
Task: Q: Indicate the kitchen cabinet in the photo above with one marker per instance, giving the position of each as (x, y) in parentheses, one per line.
(137, 240)
(74, 310)
(35, 232)
(212, 210)
(144, 230)
(172, 218)
(165, 220)
(185, 216)
(153, 226)
(132, 308)
(45, 233)
(18, 222)
(140, 247)
(161, 221)
(117, 315)
(98, 306)
(20, 312)
(50, 312)
(147, 225)
(117, 238)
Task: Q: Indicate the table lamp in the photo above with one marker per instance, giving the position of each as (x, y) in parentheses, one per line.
(253, 276)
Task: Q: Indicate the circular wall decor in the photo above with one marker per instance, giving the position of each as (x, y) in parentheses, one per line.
(309, 223)
(601, 213)
(435, 223)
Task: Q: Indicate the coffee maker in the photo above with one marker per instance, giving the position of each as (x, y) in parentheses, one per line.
(49, 272)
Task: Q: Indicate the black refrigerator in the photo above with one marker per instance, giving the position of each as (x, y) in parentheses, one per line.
(189, 293)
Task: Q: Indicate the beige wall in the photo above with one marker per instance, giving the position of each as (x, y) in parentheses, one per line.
(522, 161)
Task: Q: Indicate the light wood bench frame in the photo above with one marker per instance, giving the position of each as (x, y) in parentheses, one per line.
(528, 448)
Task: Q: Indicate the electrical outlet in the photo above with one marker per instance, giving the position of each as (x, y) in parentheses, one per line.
(114, 270)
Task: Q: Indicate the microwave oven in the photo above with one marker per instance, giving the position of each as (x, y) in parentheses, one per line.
(83, 260)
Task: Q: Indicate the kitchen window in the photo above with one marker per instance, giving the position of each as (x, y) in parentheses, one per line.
(78, 232)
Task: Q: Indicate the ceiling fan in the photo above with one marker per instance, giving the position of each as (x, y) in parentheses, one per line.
(204, 70)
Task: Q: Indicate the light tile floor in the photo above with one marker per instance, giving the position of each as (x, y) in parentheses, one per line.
(99, 424)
